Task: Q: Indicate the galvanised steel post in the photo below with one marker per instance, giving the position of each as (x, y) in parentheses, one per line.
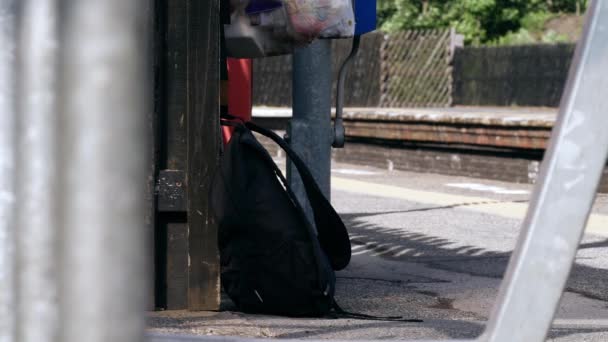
(102, 169)
(36, 234)
(7, 169)
(310, 132)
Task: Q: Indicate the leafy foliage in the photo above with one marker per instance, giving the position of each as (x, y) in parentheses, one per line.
(481, 21)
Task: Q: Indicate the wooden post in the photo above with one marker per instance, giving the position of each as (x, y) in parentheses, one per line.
(149, 27)
(187, 259)
(173, 230)
(204, 141)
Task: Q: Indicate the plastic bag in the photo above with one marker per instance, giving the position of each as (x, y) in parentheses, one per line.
(312, 19)
(261, 28)
(308, 19)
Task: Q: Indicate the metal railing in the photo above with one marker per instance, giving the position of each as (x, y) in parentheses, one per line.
(71, 153)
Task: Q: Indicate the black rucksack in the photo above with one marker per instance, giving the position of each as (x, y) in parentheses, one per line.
(273, 260)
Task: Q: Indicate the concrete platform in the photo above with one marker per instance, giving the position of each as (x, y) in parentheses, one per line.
(500, 143)
(518, 128)
(511, 116)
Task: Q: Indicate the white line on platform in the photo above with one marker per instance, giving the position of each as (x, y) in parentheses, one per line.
(354, 172)
(487, 188)
(598, 224)
(595, 323)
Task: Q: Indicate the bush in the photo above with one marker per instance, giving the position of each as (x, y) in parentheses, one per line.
(480, 21)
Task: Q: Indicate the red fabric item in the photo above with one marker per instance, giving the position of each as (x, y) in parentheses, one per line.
(239, 91)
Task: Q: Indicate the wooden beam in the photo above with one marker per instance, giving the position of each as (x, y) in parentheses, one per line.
(203, 60)
(150, 46)
(172, 229)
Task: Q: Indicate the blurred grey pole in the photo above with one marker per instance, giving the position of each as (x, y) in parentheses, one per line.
(310, 130)
(36, 173)
(102, 171)
(7, 169)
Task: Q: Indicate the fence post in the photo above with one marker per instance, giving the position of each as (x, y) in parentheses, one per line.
(203, 136)
(102, 171)
(456, 41)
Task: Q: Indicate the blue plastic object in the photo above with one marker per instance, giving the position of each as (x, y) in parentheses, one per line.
(365, 16)
(257, 6)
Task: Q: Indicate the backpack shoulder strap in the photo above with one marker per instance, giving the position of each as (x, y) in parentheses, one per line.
(333, 236)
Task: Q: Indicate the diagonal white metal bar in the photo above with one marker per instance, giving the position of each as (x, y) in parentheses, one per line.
(7, 169)
(36, 173)
(102, 171)
(561, 203)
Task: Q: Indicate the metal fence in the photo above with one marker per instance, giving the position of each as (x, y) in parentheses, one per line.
(272, 76)
(430, 68)
(404, 69)
(416, 69)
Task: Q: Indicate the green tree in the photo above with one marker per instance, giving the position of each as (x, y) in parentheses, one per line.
(480, 21)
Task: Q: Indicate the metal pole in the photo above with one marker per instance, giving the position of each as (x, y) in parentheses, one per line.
(102, 171)
(545, 252)
(7, 169)
(310, 131)
(36, 173)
